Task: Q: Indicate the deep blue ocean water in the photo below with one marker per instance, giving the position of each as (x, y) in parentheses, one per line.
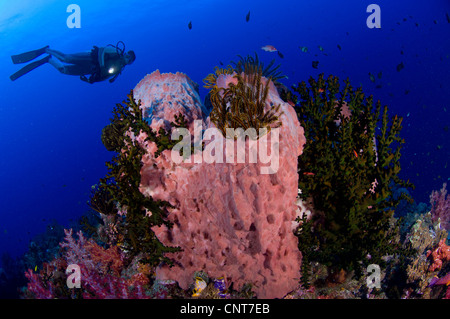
(50, 123)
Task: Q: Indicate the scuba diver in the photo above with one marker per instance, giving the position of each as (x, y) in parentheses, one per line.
(100, 63)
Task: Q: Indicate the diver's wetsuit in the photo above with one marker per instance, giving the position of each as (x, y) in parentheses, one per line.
(101, 63)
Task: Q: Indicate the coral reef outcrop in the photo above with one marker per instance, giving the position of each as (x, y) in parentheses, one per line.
(230, 218)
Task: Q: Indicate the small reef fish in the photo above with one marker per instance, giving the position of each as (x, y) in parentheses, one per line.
(190, 25)
(308, 174)
(372, 78)
(320, 48)
(247, 17)
(339, 47)
(380, 74)
(269, 48)
(447, 17)
(304, 49)
(321, 90)
(356, 154)
(291, 103)
(315, 64)
(400, 67)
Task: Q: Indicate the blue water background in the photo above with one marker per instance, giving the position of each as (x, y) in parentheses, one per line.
(50, 124)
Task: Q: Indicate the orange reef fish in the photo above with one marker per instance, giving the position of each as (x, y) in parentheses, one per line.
(269, 48)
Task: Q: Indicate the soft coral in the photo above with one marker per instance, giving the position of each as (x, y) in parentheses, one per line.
(102, 273)
(439, 255)
(440, 206)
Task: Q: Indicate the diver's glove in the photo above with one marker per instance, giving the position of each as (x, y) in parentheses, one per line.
(113, 78)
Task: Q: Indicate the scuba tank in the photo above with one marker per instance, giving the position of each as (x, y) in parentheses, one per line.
(120, 47)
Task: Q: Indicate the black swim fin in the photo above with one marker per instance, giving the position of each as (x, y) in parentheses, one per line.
(28, 56)
(29, 67)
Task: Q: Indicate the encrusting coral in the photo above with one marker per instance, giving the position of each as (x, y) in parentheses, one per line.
(422, 237)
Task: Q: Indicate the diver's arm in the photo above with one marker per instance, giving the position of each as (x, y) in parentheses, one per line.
(84, 78)
(111, 80)
(117, 74)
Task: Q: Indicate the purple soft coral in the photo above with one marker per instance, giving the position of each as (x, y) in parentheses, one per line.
(440, 206)
(103, 274)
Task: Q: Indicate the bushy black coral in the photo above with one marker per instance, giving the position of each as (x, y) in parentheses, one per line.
(120, 188)
(348, 167)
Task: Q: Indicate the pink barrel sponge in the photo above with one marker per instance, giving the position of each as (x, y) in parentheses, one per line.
(230, 219)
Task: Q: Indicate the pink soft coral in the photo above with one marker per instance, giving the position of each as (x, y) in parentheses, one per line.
(36, 288)
(103, 274)
(49, 282)
(440, 207)
(101, 270)
(439, 255)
